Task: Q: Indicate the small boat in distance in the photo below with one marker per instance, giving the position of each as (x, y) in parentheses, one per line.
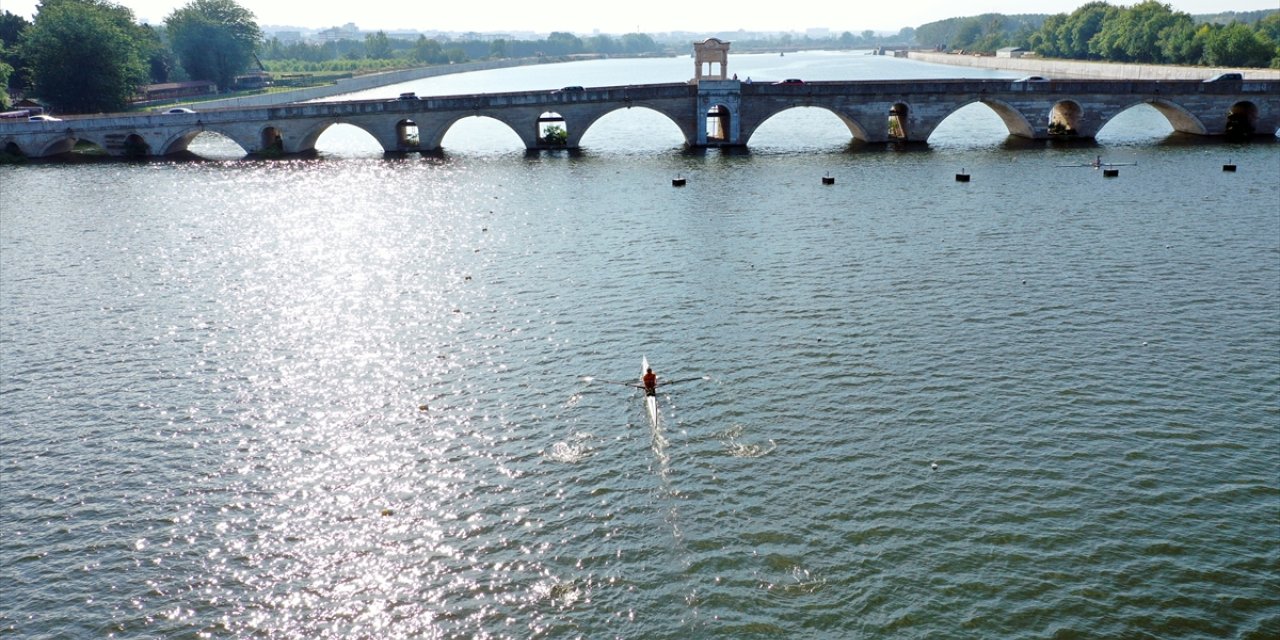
(1099, 164)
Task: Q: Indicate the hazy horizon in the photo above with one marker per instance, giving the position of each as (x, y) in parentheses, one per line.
(580, 16)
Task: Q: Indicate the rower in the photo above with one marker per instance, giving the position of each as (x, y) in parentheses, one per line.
(650, 382)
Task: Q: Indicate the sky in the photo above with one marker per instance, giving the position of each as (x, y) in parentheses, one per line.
(656, 16)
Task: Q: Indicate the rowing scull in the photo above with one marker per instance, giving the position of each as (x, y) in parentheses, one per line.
(650, 402)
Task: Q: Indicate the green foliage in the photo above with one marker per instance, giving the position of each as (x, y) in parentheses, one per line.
(555, 135)
(5, 71)
(986, 32)
(377, 46)
(1134, 34)
(12, 27)
(85, 55)
(214, 39)
(1238, 45)
(1152, 32)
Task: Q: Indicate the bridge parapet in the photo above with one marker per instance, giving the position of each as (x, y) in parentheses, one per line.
(874, 111)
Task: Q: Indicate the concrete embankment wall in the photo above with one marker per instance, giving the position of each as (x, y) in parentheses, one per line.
(1088, 70)
(372, 80)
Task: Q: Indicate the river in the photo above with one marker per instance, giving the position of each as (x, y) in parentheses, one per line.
(354, 396)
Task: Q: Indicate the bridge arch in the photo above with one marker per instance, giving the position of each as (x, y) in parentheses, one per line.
(1178, 116)
(57, 146)
(586, 123)
(306, 141)
(178, 141)
(431, 136)
(1015, 121)
(856, 130)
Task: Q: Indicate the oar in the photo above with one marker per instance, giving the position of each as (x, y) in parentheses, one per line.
(662, 382)
(627, 384)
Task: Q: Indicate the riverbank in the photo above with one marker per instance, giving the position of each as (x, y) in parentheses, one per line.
(1051, 68)
(382, 79)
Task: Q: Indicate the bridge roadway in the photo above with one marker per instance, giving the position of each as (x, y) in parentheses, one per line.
(710, 114)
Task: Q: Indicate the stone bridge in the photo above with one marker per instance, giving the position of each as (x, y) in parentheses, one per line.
(709, 113)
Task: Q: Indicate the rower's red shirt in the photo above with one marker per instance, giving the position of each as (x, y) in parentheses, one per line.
(650, 380)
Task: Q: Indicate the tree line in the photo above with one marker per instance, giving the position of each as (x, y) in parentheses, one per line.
(85, 56)
(1147, 32)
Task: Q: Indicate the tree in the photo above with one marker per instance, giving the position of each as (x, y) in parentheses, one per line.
(5, 71)
(214, 39)
(639, 43)
(12, 26)
(561, 43)
(1079, 29)
(377, 46)
(498, 49)
(1238, 45)
(85, 55)
(1133, 34)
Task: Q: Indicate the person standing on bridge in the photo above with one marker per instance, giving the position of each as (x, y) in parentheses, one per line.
(650, 382)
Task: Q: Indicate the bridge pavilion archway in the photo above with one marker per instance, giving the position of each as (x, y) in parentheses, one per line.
(1065, 119)
(900, 122)
(272, 141)
(407, 138)
(1242, 120)
(551, 131)
(719, 124)
(135, 146)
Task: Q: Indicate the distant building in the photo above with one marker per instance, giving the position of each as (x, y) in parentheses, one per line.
(288, 37)
(253, 80)
(348, 31)
(1011, 52)
(171, 90)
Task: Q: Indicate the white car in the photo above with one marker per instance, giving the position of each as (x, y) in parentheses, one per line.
(44, 118)
(179, 110)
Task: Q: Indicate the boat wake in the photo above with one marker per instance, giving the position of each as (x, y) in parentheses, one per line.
(742, 450)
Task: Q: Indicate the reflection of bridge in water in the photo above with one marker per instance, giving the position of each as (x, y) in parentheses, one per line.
(708, 113)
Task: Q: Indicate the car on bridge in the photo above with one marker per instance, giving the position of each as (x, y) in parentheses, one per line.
(570, 89)
(791, 81)
(44, 118)
(177, 110)
(1226, 77)
(1032, 79)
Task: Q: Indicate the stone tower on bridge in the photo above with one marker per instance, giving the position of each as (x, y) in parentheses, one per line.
(719, 96)
(707, 55)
